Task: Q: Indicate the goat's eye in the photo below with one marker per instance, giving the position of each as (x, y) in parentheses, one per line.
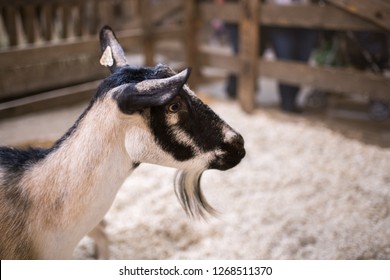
(174, 107)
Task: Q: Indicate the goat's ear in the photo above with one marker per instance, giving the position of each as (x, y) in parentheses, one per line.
(150, 93)
(113, 55)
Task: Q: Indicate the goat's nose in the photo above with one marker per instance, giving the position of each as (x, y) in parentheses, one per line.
(239, 140)
(238, 143)
(230, 153)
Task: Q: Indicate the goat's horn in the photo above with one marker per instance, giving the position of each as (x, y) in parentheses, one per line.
(149, 93)
(113, 54)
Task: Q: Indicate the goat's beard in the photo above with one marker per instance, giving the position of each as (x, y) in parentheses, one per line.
(189, 193)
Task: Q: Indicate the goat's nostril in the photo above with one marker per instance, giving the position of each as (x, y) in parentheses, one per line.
(238, 141)
(238, 144)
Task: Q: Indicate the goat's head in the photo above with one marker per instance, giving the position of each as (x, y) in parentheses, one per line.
(174, 127)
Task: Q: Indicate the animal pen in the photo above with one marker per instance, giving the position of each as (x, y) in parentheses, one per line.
(302, 192)
(40, 39)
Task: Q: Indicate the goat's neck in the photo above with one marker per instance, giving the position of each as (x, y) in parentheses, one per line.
(79, 180)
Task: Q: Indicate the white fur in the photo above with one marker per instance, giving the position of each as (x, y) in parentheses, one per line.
(141, 147)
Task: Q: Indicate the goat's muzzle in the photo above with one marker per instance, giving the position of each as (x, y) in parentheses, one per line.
(230, 154)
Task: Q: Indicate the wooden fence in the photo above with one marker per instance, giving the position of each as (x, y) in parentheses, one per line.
(49, 50)
(355, 15)
(58, 58)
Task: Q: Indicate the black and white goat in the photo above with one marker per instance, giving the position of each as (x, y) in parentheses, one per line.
(51, 198)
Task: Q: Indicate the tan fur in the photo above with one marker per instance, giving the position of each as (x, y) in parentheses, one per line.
(15, 242)
(98, 234)
(75, 156)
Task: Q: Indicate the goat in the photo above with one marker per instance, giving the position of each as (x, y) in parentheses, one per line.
(51, 198)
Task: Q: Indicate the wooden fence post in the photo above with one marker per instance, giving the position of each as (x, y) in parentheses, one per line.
(10, 25)
(148, 36)
(191, 41)
(248, 53)
(29, 23)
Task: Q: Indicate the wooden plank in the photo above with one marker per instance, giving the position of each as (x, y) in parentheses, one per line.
(313, 16)
(105, 12)
(34, 69)
(94, 21)
(19, 57)
(36, 78)
(147, 27)
(30, 23)
(166, 9)
(349, 81)
(79, 24)
(48, 22)
(49, 100)
(29, 70)
(169, 33)
(215, 58)
(227, 12)
(375, 11)
(15, 57)
(10, 25)
(66, 12)
(309, 16)
(344, 80)
(191, 34)
(248, 53)
(40, 2)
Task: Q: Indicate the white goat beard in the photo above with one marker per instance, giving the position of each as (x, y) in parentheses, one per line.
(189, 194)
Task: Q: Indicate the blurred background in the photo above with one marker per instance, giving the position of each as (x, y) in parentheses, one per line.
(307, 82)
(327, 59)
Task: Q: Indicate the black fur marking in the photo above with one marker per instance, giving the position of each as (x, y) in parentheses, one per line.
(200, 117)
(164, 136)
(16, 161)
(193, 121)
